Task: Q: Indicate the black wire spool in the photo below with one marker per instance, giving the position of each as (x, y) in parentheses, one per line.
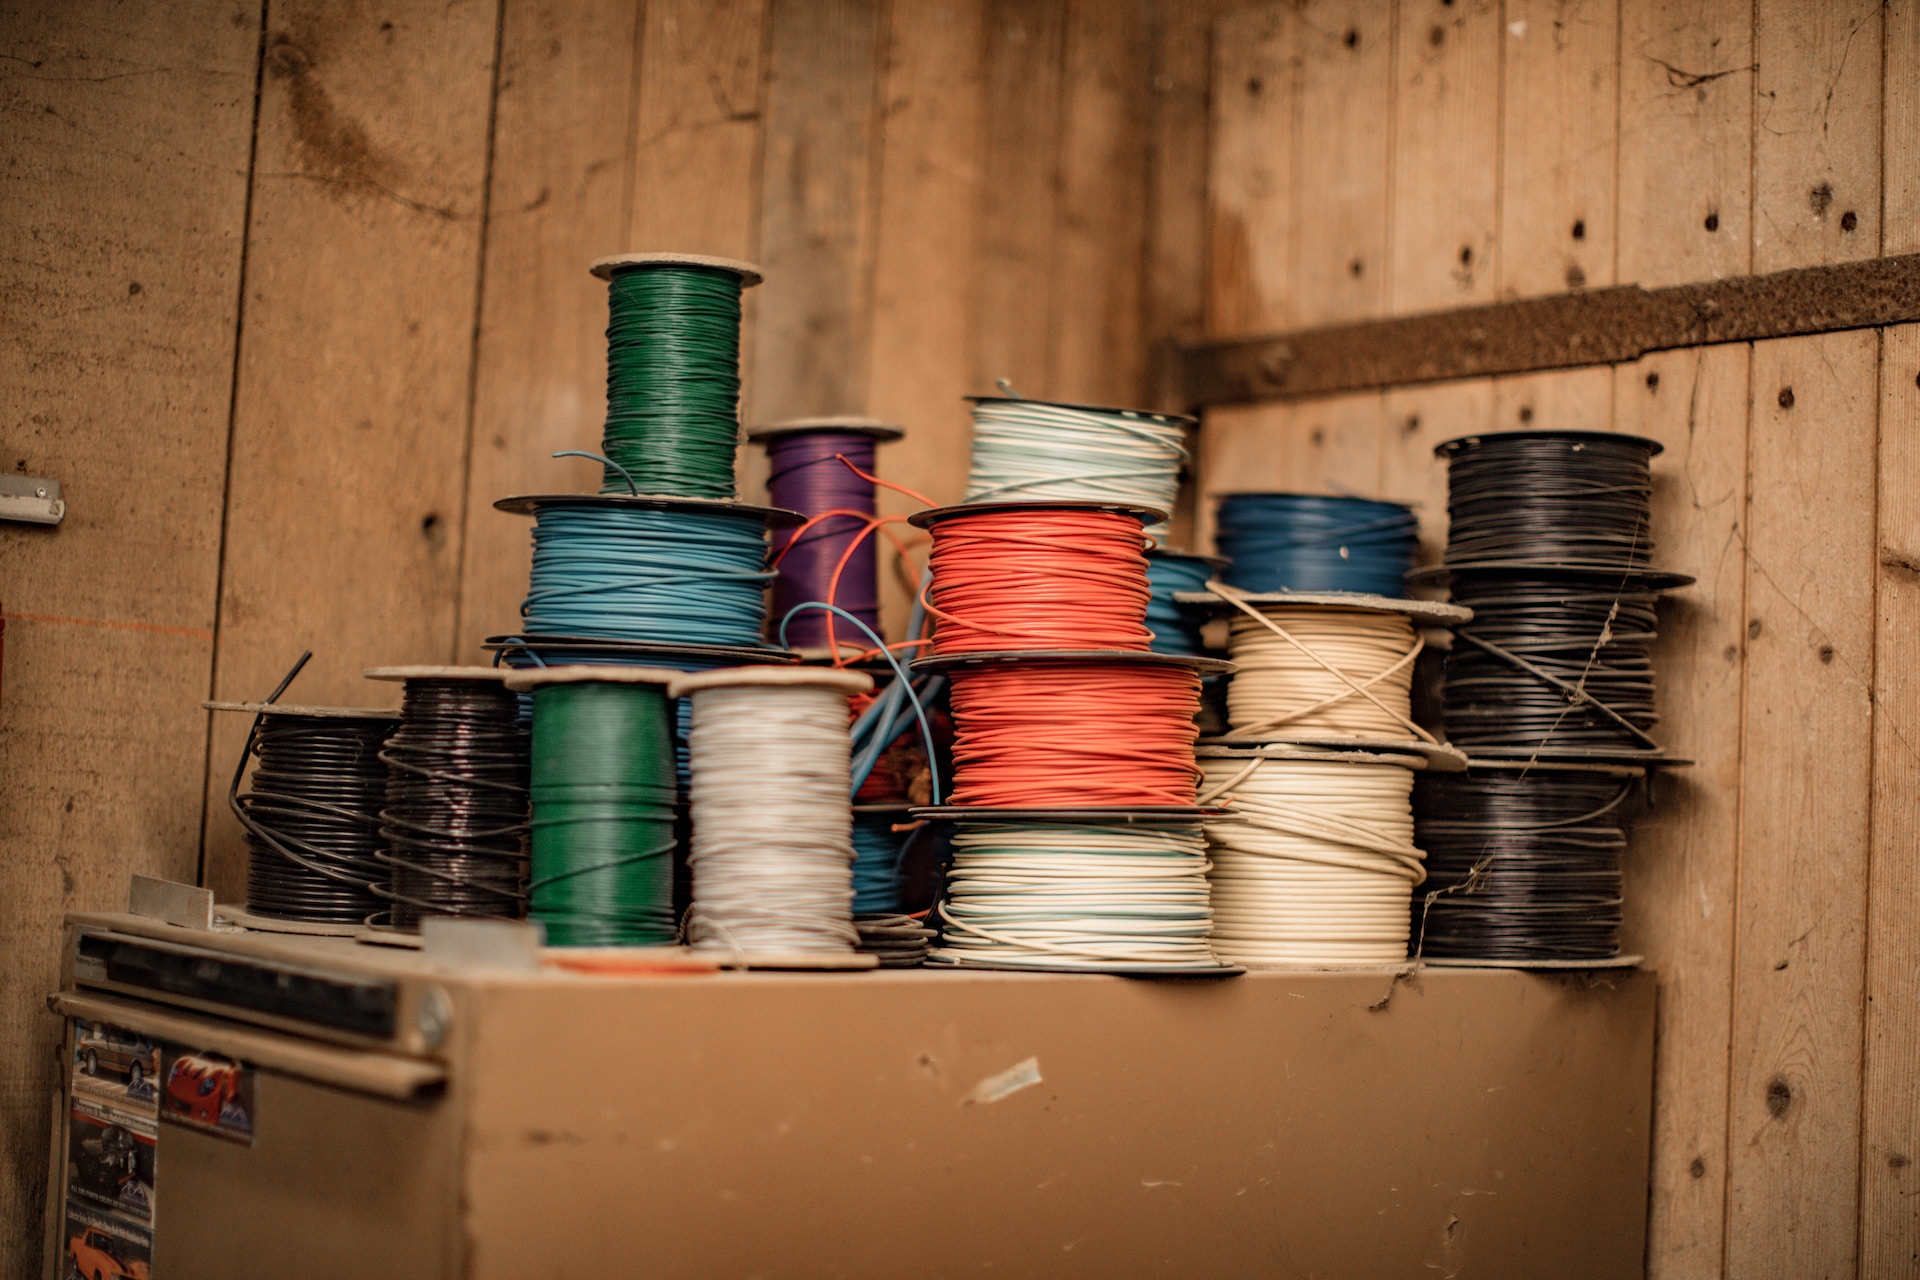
(455, 818)
(1522, 864)
(311, 814)
(1550, 498)
(1551, 664)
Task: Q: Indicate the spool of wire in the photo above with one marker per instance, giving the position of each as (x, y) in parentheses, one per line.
(673, 372)
(603, 797)
(772, 840)
(1100, 897)
(312, 809)
(1322, 869)
(1325, 671)
(1036, 450)
(455, 818)
(1312, 542)
(645, 570)
(1561, 499)
(1523, 862)
(831, 558)
(1552, 663)
(885, 930)
(1074, 731)
(1176, 627)
(1037, 576)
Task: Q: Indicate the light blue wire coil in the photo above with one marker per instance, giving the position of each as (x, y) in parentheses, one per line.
(1176, 628)
(666, 577)
(876, 864)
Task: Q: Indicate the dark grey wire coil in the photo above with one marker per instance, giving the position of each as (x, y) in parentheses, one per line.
(311, 814)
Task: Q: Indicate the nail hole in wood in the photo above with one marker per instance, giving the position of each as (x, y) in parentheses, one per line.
(1526, 413)
(1779, 1097)
(1580, 229)
(1826, 653)
(1353, 38)
(1786, 397)
(1437, 36)
(1698, 1168)
(1576, 278)
(1653, 382)
(1753, 629)
(1849, 220)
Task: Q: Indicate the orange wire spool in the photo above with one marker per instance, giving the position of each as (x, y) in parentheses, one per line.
(1074, 733)
(1066, 576)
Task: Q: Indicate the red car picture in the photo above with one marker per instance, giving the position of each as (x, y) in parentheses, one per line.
(200, 1088)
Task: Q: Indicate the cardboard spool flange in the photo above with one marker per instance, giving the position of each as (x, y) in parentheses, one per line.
(495, 674)
(1171, 419)
(1018, 506)
(1300, 751)
(1125, 815)
(532, 504)
(528, 678)
(845, 682)
(606, 268)
(950, 662)
(1434, 611)
(879, 429)
(294, 709)
(1441, 757)
(738, 654)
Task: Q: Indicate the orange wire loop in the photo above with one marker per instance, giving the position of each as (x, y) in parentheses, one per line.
(1044, 579)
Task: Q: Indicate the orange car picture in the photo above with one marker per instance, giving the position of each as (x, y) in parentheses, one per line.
(97, 1256)
(201, 1087)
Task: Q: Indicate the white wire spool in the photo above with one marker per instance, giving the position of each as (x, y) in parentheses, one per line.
(772, 852)
(1031, 451)
(1322, 869)
(1094, 897)
(1327, 671)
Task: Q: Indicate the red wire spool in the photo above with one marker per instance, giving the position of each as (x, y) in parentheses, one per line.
(1038, 577)
(1074, 733)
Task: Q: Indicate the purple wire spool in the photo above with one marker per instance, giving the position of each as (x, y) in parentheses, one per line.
(806, 475)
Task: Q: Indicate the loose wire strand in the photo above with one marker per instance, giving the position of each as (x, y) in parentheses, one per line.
(772, 844)
(311, 815)
(1321, 870)
(1305, 669)
(1028, 450)
(1100, 898)
(1073, 734)
(1045, 579)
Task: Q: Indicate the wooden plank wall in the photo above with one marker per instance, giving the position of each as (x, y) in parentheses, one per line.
(292, 291)
(1490, 149)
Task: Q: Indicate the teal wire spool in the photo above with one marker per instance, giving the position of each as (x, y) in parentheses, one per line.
(673, 372)
(603, 794)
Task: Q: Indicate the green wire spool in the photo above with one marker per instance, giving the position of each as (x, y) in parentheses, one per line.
(673, 372)
(603, 793)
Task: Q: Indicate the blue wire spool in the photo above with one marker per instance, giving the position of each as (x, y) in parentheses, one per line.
(1176, 628)
(1311, 542)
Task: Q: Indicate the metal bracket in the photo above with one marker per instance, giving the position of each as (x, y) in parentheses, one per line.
(31, 500)
(171, 902)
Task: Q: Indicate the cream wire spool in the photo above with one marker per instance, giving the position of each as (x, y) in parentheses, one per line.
(1077, 897)
(1312, 669)
(1322, 869)
(772, 855)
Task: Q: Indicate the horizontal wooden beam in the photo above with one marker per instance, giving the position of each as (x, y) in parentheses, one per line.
(1599, 326)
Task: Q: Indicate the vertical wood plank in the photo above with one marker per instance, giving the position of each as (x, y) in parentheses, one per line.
(122, 220)
(348, 461)
(1816, 139)
(1250, 177)
(559, 188)
(1015, 235)
(1446, 154)
(1900, 161)
(1316, 446)
(1558, 400)
(1559, 90)
(1098, 349)
(1890, 1128)
(1686, 140)
(1340, 161)
(1793, 1141)
(1417, 419)
(930, 177)
(1681, 870)
(816, 216)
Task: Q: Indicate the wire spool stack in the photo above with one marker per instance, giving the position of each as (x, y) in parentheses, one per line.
(455, 818)
(1315, 542)
(1318, 765)
(1551, 692)
(1078, 843)
(311, 813)
(772, 831)
(1041, 450)
(603, 796)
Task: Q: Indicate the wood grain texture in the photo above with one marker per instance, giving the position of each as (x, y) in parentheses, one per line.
(1899, 161)
(1890, 1121)
(1561, 400)
(1681, 865)
(1686, 140)
(560, 183)
(1559, 89)
(1011, 320)
(1340, 161)
(348, 459)
(1446, 154)
(1416, 420)
(930, 178)
(816, 208)
(1816, 138)
(122, 216)
(1806, 746)
(1250, 183)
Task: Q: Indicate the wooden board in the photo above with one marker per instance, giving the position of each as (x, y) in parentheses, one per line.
(1559, 81)
(122, 216)
(1890, 1120)
(1415, 420)
(1250, 183)
(559, 186)
(1806, 747)
(1681, 863)
(1446, 143)
(348, 459)
(1816, 137)
(1341, 170)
